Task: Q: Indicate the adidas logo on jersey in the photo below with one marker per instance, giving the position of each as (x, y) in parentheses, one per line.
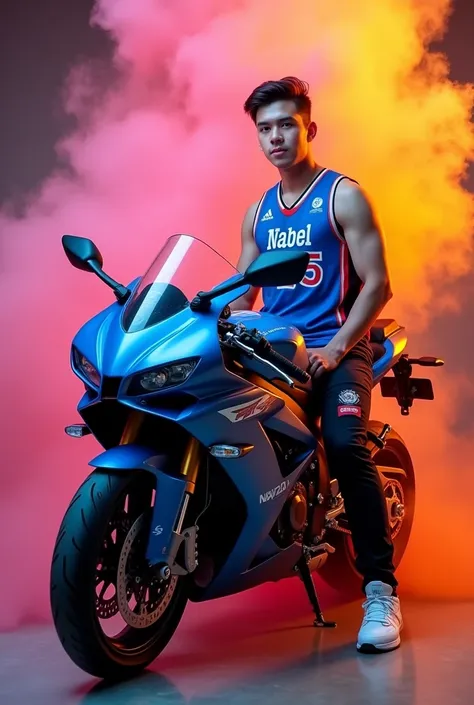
(268, 215)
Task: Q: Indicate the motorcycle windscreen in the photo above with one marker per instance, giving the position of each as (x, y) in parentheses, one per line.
(184, 266)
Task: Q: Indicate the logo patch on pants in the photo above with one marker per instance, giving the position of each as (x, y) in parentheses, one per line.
(348, 411)
(349, 397)
(348, 403)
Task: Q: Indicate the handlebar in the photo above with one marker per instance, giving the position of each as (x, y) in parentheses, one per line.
(256, 345)
(286, 365)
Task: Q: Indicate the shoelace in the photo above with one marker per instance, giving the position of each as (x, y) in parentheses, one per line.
(380, 609)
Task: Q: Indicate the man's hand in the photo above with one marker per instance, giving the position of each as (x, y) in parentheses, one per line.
(322, 360)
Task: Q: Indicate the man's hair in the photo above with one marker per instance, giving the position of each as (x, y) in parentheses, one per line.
(288, 88)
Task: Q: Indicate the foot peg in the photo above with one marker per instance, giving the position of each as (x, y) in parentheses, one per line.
(379, 440)
(306, 577)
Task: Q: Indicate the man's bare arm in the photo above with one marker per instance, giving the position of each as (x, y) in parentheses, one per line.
(249, 252)
(366, 245)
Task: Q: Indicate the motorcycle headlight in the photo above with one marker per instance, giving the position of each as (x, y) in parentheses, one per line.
(86, 368)
(161, 377)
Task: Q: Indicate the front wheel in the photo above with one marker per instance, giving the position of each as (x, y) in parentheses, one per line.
(112, 614)
(339, 572)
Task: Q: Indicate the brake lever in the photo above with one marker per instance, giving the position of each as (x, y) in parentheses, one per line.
(251, 353)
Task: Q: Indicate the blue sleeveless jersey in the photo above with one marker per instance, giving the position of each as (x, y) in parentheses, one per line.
(320, 303)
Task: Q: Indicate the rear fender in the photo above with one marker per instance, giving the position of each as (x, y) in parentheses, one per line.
(169, 496)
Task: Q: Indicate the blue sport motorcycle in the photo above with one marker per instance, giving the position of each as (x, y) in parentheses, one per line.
(213, 477)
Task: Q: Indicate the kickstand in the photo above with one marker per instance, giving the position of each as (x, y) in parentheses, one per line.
(307, 579)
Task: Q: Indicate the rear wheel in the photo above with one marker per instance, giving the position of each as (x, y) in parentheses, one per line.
(399, 489)
(112, 613)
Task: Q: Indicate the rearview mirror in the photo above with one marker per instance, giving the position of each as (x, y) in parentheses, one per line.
(277, 268)
(269, 269)
(82, 253)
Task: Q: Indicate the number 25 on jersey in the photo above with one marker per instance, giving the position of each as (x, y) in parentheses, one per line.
(314, 272)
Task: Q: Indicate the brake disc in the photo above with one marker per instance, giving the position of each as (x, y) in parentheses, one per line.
(150, 594)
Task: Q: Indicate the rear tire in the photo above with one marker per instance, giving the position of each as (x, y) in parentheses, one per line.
(86, 550)
(339, 571)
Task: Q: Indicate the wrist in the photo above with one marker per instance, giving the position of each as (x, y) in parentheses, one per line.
(337, 349)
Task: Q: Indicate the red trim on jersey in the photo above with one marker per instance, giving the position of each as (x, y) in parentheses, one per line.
(301, 199)
(343, 253)
(344, 276)
(331, 210)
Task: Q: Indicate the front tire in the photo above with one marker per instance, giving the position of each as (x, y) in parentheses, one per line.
(98, 569)
(339, 571)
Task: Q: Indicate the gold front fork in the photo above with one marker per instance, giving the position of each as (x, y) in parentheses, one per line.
(130, 432)
(190, 464)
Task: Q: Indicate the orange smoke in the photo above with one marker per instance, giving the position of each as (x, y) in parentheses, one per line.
(167, 148)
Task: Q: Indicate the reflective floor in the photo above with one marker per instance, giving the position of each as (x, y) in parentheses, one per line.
(261, 648)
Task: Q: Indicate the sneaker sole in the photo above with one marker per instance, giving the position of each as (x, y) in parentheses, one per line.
(379, 648)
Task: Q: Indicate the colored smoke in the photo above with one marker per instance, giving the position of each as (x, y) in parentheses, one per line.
(163, 146)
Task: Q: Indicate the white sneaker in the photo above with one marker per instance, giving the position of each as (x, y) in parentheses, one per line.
(382, 623)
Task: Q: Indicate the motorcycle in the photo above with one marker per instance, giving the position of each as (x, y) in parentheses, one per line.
(213, 477)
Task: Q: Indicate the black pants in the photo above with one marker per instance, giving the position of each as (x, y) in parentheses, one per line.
(343, 399)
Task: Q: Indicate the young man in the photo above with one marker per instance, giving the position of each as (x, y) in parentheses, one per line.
(343, 292)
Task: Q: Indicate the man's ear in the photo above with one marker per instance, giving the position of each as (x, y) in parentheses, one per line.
(312, 131)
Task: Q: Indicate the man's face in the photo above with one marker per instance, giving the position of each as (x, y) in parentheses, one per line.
(282, 133)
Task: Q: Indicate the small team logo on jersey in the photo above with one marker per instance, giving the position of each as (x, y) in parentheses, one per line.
(316, 205)
(268, 215)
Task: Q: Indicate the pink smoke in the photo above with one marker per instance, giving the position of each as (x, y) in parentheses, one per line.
(166, 148)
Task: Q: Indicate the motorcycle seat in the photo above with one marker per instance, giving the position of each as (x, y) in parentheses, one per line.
(382, 329)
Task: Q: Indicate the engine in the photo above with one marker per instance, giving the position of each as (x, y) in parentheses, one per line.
(295, 512)
(302, 516)
(296, 519)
